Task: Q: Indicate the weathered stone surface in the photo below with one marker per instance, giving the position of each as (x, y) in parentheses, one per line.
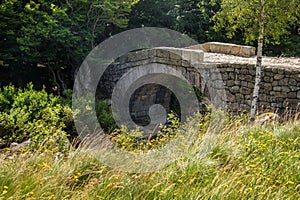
(16, 147)
(234, 89)
(245, 90)
(298, 95)
(229, 83)
(291, 104)
(284, 81)
(292, 95)
(278, 85)
(244, 83)
(277, 88)
(226, 48)
(239, 98)
(278, 76)
(274, 83)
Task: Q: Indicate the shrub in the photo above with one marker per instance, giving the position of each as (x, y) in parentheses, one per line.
(85, 108)
(133, 140)
(105, 116)
(26, 113)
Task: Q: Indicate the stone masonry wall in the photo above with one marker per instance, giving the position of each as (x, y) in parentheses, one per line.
(279, 88)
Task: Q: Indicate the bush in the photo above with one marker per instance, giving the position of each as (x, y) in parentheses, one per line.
(133, 140)
(105, 116)
(36, 115)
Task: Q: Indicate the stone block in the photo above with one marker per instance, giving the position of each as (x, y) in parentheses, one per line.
(231, 75)
(245, 90)
(249, 78)
(239, 98)
(294, 88)
(230, 97)
(285, 89)
(244, 71)
(292, 82)
(279, 94)
(229, 83)
(262, 97)
(235, 89)
(292, 95)
(132, 57)
(291, 104)
(278, 76)
(225, 76)
(175, 54)
(162, 52)
(284, 82)
(274, 83)
(250, 85)
(226, 48)
(252, 72)
(197, 57)
(268, 79)
(244, 83)
(277, 88)
(245, 107)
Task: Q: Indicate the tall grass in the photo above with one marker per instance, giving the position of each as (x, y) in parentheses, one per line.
(248, 162)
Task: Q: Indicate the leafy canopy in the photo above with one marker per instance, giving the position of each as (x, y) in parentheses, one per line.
(243, 15)
(56, 33)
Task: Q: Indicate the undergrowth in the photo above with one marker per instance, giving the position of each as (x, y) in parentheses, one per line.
(247, 162)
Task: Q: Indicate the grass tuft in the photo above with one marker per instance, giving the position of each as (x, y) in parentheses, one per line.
(248, 162)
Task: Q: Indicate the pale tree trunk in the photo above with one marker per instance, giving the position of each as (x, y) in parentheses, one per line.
(258, 61)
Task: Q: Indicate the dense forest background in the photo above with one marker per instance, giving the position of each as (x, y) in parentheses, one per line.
(45, 42)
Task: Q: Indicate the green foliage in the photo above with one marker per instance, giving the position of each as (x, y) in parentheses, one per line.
(289, 44)
(152, 13)
(56, 34)
(86, 108)
(105, 116)
(133, 140)
(191, 17)
(36, 115)
(241, 15)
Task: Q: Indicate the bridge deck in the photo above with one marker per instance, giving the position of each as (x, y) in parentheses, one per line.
(285, 62)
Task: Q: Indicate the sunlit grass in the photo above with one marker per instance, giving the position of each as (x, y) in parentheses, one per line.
(248, 162)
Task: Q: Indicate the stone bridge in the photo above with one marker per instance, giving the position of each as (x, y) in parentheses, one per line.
(279, 88)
